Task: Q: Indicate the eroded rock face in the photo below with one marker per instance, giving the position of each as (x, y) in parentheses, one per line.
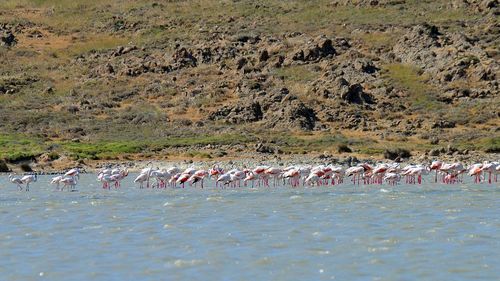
(239, 114)
(296, 115)
(482, 6)
(417, 46)
(448, 59)
(323, 48)
(355, 94)
(184, 58)
(342, 89)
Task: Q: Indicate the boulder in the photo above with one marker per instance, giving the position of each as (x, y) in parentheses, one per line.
(263, 56)
(8, 39)
(184, 58)
(238, 114)
(443, 124)
(293, 115)
(3, 167)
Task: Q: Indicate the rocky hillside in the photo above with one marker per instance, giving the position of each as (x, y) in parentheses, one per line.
(110, 79)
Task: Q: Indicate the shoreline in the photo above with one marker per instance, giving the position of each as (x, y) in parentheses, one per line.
(242, 160)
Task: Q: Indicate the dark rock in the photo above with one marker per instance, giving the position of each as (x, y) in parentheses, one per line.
(8, 39)
(450, 149)
(296, 114)
(298, 56)
(248, 39)
(355, 94)
(75, 131)
(35, 34)
(365, 65)
(25, 167)
(72, 109)
(263, 56)
(238, 114)
(184, 58)
(240, 63)
(3, 167)
(443, 124)
(279, 61)
(322, 50)
(434, 141)
(343, 148)
(394, 154)
(262, 148)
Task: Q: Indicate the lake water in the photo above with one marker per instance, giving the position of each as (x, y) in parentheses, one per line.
(428, 232)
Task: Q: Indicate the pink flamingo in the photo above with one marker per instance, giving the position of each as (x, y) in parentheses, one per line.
(491, 168)
(312, 179)
(215, 172)
(392, 178)
(141, 178)
(436, 165)
(476, 171)
(294, 177)
(250, 176)
(56, 181)
(69, 182)
(355, 172)
(259, 171)
(74, 173)
(183, 178)
(379, 172)
(198, 176)
(118, 177)
(274, 173)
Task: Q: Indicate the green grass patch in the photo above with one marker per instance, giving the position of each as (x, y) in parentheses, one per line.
(490, 145)
(378, 39)
(370, 151)
(14, 148)
(296, 73)
(101, 150)
(415, 83)
(113, 149)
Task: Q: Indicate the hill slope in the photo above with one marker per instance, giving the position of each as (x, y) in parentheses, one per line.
(116, 79)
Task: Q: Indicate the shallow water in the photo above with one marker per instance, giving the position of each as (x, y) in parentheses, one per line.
(438, 232)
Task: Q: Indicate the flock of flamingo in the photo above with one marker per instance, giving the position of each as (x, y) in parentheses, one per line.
(294, 176)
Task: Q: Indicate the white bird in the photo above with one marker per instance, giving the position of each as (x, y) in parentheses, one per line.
(29, 179)
(225, 179)
(15, 180)
(75, 172)
(56, 181)
(141, 178)
(69, 182)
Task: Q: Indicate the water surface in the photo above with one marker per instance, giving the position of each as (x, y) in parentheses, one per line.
(428, 232)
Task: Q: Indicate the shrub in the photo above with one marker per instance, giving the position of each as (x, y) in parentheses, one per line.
(53, 156)
(343, 148)
(396, 153)
(492, 145)
(3, 167)
(25, 167)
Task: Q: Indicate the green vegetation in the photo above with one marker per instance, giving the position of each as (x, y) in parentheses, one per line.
(490, 145)
(15, 148)
(297, 73)
(413, 81)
